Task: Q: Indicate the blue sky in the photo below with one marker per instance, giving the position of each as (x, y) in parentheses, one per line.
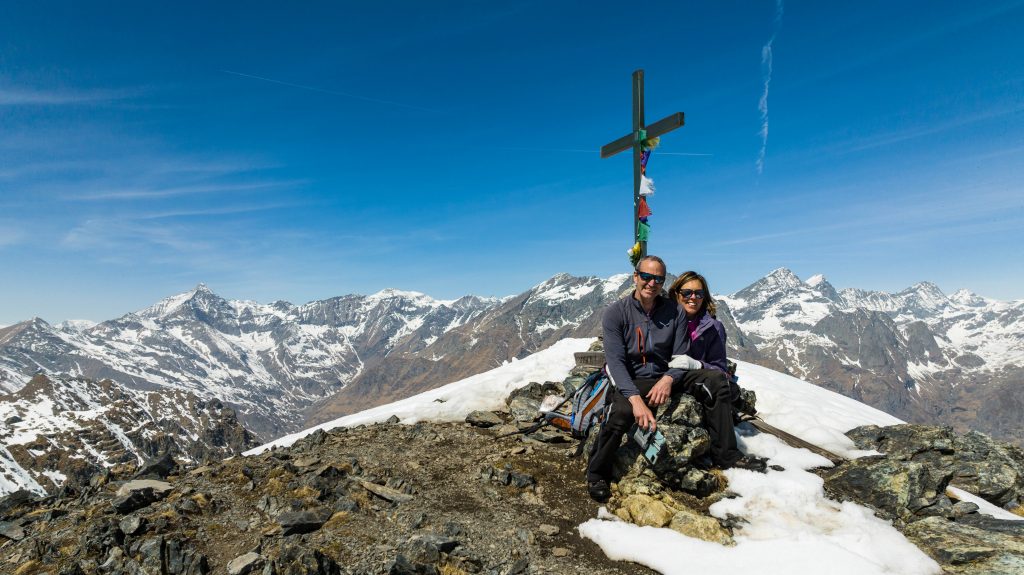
(305, 150)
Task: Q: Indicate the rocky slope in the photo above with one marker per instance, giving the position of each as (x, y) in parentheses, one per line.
(60, 430)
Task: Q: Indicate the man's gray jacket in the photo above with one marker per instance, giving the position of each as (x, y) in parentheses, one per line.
(638, 345)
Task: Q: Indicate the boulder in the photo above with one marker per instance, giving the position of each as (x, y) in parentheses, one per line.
(483, 419)
(244, 564)
(962, 548)
(524, 403)
(991, 469)
(894, 489)
(298, 522)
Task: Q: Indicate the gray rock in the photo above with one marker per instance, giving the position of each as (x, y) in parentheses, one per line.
(962, 508)
(136, 499)
(158, 468)
(524, 403)
(244, 564)
(297, 522)
(961, 548)
(160, 487)
(387, 493)
(483, 419)
(894, 489)
(12, 531)
(977, 463)
(133, 525)
(549, 435)
(295, 560)
(151, 555)
(549, 530)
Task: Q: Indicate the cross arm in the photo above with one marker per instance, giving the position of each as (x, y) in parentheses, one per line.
(662, 126)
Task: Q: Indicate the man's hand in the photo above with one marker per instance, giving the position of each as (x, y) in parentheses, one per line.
(644, 417)
(685, 362)
(660, 392)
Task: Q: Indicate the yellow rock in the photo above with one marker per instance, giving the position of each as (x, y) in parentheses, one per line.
(646, 511)
(700, 527)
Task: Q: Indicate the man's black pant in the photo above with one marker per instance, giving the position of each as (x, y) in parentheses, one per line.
(717, 403)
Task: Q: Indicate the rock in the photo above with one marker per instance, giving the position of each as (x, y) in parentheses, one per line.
(133, 525)
(181, 558)
(12, 420)
(392, 495)
(158, 468)
(14, 500)
(243, 564)
(961, 548)
(160, 487)
(150, 555)
(645, 511)
(506, 476)
(560, 552)
(12, 531)
(136, 499)
(483, 419)
(549, 435)
(962, 508)
(297, 522)
(295, 560)
(524, 403)
(699, 526)
(894, 489)
(549, 530)
(520, 566)
(393, 420)
(979, 464)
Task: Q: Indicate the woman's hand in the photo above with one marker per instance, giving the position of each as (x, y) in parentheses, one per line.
(644, 417)
(685, 362)
(660, 392)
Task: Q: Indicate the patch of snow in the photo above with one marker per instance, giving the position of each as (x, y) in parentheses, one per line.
(485, 391)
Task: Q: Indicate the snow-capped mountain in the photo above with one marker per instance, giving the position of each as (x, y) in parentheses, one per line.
(917, 354)
(270, 361)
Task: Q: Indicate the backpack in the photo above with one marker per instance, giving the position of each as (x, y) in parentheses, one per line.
(588, 406)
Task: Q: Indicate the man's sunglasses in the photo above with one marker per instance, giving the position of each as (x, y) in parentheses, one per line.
(646, 277)
(694, 293)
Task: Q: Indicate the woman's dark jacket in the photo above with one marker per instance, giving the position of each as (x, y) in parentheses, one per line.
(708, 347)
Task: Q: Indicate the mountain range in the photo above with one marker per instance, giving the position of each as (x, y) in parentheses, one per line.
(917, 354)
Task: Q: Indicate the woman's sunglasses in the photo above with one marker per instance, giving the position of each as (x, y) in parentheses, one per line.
(694, 293)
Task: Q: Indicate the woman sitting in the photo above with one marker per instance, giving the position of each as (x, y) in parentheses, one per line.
(706, 378)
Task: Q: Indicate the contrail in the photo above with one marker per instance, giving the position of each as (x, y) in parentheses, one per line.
(332, 92)
(766, 75)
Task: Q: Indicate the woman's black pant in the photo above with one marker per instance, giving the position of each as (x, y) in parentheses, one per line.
(709, 386)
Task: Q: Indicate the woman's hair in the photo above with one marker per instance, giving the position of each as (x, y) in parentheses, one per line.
(708, 303)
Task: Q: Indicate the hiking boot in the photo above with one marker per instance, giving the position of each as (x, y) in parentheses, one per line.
(599, 490)
(750, 463)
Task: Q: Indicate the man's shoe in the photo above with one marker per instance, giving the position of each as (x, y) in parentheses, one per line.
(750, 463)
(599, 490)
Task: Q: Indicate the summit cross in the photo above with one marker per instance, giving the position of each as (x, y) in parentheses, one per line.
(634, 140)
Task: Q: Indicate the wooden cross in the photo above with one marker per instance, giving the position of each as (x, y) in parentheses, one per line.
(634, 140)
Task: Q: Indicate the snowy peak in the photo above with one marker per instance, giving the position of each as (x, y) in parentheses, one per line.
(199, 298)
